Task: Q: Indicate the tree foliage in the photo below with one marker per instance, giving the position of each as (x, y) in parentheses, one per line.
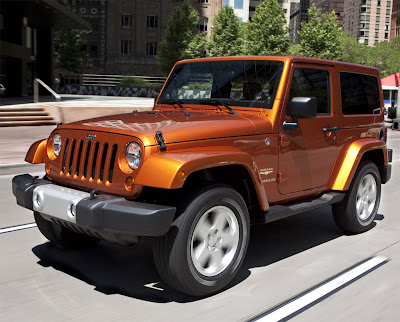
(320, 37)
(226, 37)
(267, 33)
(68, 50)
(182, 38)
(384, 56)
(353, 51)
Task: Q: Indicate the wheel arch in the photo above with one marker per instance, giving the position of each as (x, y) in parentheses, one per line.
(176, 170)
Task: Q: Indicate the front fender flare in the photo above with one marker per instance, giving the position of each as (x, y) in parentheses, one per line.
(345, 169)
(161, 170)
(36, 152)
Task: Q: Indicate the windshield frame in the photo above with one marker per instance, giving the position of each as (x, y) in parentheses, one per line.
(252, 61)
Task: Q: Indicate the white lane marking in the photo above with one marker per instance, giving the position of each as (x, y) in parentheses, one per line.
(15, 228)
(321, 291)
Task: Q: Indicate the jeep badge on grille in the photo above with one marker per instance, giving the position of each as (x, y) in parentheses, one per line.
(90, 137)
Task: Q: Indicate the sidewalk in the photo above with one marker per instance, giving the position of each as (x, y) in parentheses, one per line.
(15, 141)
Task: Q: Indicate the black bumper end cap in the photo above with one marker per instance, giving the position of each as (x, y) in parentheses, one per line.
(120, 215)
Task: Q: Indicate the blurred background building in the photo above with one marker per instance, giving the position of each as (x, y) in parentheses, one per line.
(368, 20)
(395, 21)
(329, 6)
(26, 41)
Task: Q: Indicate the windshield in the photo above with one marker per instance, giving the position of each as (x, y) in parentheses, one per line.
(248, 83)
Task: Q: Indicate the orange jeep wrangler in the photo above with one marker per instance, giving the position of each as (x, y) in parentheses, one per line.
(230, 142)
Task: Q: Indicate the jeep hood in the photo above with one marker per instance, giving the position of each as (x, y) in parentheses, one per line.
(176, 126)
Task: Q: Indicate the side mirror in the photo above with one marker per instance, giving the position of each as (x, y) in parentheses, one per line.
(300, 107)
(303, 107)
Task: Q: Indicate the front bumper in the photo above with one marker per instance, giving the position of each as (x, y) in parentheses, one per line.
(100, 213)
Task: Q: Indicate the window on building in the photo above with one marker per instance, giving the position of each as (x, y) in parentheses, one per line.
(202, 1)
(379, 3)
(126, 47)
(388, 12)
(377, 26)
(360, 94)
(387, 20)
(386, 35)
(386, 27)
(238, 4)
(376, 34)
(152, 22)
(366, 42)
(93, 51)
(151, 48)
(378, 11)
(363, 33)
(365, 9)
(389, 3)
(126, 20)
(203, 24)
(312, 82)
(378, 19)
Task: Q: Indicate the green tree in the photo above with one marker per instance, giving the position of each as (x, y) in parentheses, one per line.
(226, 37)
(68, 45)
(353, 51)
(320, 37)
(267, 33)
(182, 38)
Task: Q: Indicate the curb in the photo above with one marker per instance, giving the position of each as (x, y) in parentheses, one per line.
(10, 166)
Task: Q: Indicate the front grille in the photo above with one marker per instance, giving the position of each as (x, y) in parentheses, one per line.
(92, 160)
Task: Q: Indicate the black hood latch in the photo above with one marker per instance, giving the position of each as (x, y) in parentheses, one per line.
(161, 141)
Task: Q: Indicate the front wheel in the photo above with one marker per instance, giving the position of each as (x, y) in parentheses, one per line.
(357, 211)
(206, 244)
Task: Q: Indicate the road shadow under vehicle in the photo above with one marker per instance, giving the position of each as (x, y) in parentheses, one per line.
(130, 271)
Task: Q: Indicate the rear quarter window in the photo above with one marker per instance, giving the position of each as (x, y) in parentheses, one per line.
(360, 94)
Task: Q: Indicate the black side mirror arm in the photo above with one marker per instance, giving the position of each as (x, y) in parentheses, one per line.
(291, 126)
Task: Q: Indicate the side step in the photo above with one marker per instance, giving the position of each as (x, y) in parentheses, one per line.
(280, 212)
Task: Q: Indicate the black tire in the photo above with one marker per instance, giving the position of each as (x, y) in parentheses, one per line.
(61, 236)
(349, 214)
(175, 253)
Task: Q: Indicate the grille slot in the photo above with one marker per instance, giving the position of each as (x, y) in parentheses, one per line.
(112, 162)
(89, 160)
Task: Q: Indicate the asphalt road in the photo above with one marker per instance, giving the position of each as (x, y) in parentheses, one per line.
(110, 282)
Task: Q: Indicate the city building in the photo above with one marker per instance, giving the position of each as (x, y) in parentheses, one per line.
(329, 6)
(395, 21)
(26, 41)
(126, 34)
(368, 20)
(94, 12)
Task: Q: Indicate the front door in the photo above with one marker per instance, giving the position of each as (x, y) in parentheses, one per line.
(307, 154)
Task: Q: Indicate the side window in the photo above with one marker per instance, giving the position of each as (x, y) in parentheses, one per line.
(312, 82)
(360, 94)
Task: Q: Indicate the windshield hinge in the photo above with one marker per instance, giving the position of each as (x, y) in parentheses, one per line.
(160, 140)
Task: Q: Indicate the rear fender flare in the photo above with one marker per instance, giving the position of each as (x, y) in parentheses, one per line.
(350, 159)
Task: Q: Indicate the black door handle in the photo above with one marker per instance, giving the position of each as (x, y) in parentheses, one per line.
(330, 129)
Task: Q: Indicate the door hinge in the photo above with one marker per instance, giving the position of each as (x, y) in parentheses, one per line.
(161, 141)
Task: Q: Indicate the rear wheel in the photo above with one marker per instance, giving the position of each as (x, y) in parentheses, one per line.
(206, 244)
(357, 211)
(61, 236)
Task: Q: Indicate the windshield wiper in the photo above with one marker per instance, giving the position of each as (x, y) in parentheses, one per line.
(172, 102)
(218, 102)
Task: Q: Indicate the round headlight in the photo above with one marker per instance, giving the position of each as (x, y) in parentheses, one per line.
(57, 144)
(133, 155)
